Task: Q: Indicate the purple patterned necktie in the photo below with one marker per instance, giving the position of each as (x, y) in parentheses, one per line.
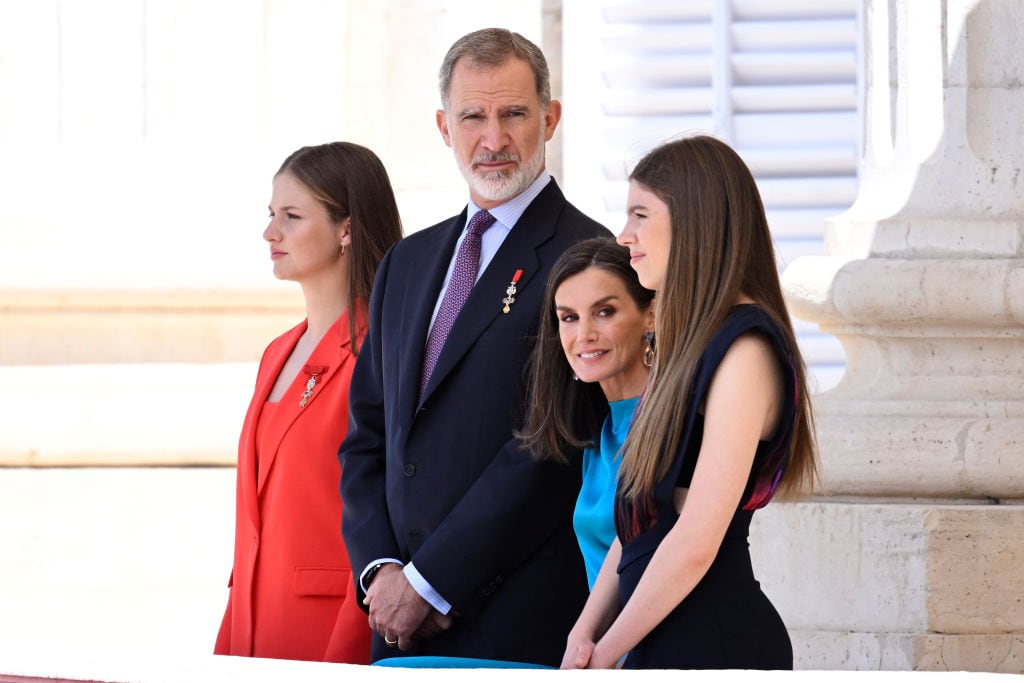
(463, 276)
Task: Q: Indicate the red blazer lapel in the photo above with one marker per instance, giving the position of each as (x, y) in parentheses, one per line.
(327, 358)
(270, 367)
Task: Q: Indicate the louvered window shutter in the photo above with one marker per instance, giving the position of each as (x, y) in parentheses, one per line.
(777, 79)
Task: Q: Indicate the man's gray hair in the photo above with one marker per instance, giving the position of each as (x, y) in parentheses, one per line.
(491, 48)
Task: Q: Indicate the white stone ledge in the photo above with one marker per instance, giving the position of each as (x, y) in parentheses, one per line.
(834, 402)
(904, 293)
(908, 651)
(141, 299)
(123, 414)
(227, 669)
(922, 456)
(133, 326)
(910, 570)
(923, 238)
(985, 371)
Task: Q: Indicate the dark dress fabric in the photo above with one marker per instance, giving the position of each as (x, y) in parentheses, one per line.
(726, 622)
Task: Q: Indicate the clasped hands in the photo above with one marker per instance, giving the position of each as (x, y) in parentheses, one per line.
(398, 613)
(583, 653)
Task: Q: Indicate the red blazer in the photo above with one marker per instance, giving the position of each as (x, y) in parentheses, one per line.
(291, 590)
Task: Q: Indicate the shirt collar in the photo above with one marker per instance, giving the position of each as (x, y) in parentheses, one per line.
(509, 213)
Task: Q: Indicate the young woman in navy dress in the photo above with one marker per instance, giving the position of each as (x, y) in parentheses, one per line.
(724, 425)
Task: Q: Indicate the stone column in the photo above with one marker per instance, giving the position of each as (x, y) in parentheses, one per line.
(912, 556)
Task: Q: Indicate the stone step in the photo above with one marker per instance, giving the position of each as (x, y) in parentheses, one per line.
(47, 327)
(123, 413)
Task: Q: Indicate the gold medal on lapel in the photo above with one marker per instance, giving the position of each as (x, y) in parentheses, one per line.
(314, 372)
(510, 291)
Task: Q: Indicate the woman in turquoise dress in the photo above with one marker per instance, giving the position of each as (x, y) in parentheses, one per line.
(724, 424)
(587, 372)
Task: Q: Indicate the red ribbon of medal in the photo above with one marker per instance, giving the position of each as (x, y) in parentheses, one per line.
(510, 291)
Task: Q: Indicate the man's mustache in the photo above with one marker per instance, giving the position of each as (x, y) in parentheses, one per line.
(495, 158)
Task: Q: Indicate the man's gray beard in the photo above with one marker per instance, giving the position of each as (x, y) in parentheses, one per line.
(498, 186)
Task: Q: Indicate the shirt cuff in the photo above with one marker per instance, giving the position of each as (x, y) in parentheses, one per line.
(383, 560)
(426, 591)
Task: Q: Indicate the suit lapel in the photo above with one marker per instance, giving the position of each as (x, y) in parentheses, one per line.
(273, 361)
(428, 268)
(326, 359)
(484, 305)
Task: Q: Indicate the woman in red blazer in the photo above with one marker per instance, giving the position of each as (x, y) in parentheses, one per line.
(291, 596)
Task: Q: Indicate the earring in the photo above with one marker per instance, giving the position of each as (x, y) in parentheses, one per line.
(575, 378)
(343, 250)
(648, 358)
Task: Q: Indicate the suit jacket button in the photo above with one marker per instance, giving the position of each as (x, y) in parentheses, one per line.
(410, 470)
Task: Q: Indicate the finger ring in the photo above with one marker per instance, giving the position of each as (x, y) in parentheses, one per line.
(390, 642)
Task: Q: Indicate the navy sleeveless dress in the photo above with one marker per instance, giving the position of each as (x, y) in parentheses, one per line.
(726, 622)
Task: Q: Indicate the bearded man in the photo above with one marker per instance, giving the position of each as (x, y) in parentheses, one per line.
(462, 542)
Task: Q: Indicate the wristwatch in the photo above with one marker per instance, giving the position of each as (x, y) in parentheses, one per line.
(372, 572)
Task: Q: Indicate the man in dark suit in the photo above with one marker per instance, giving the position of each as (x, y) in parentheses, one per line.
(463, 543)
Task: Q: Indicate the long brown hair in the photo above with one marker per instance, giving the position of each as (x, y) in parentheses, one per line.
(351, 182)
(564, 415)
(720, 249)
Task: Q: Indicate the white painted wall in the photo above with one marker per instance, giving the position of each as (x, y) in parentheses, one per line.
(138, 137)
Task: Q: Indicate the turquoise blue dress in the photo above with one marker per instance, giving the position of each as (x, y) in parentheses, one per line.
(593, 519)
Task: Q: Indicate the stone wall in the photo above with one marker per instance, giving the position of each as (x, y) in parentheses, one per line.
(910, 556)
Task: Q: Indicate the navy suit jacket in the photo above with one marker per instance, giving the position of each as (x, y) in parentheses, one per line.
(441, 481)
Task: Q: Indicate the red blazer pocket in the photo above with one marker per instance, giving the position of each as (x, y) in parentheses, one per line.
(321, 581)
